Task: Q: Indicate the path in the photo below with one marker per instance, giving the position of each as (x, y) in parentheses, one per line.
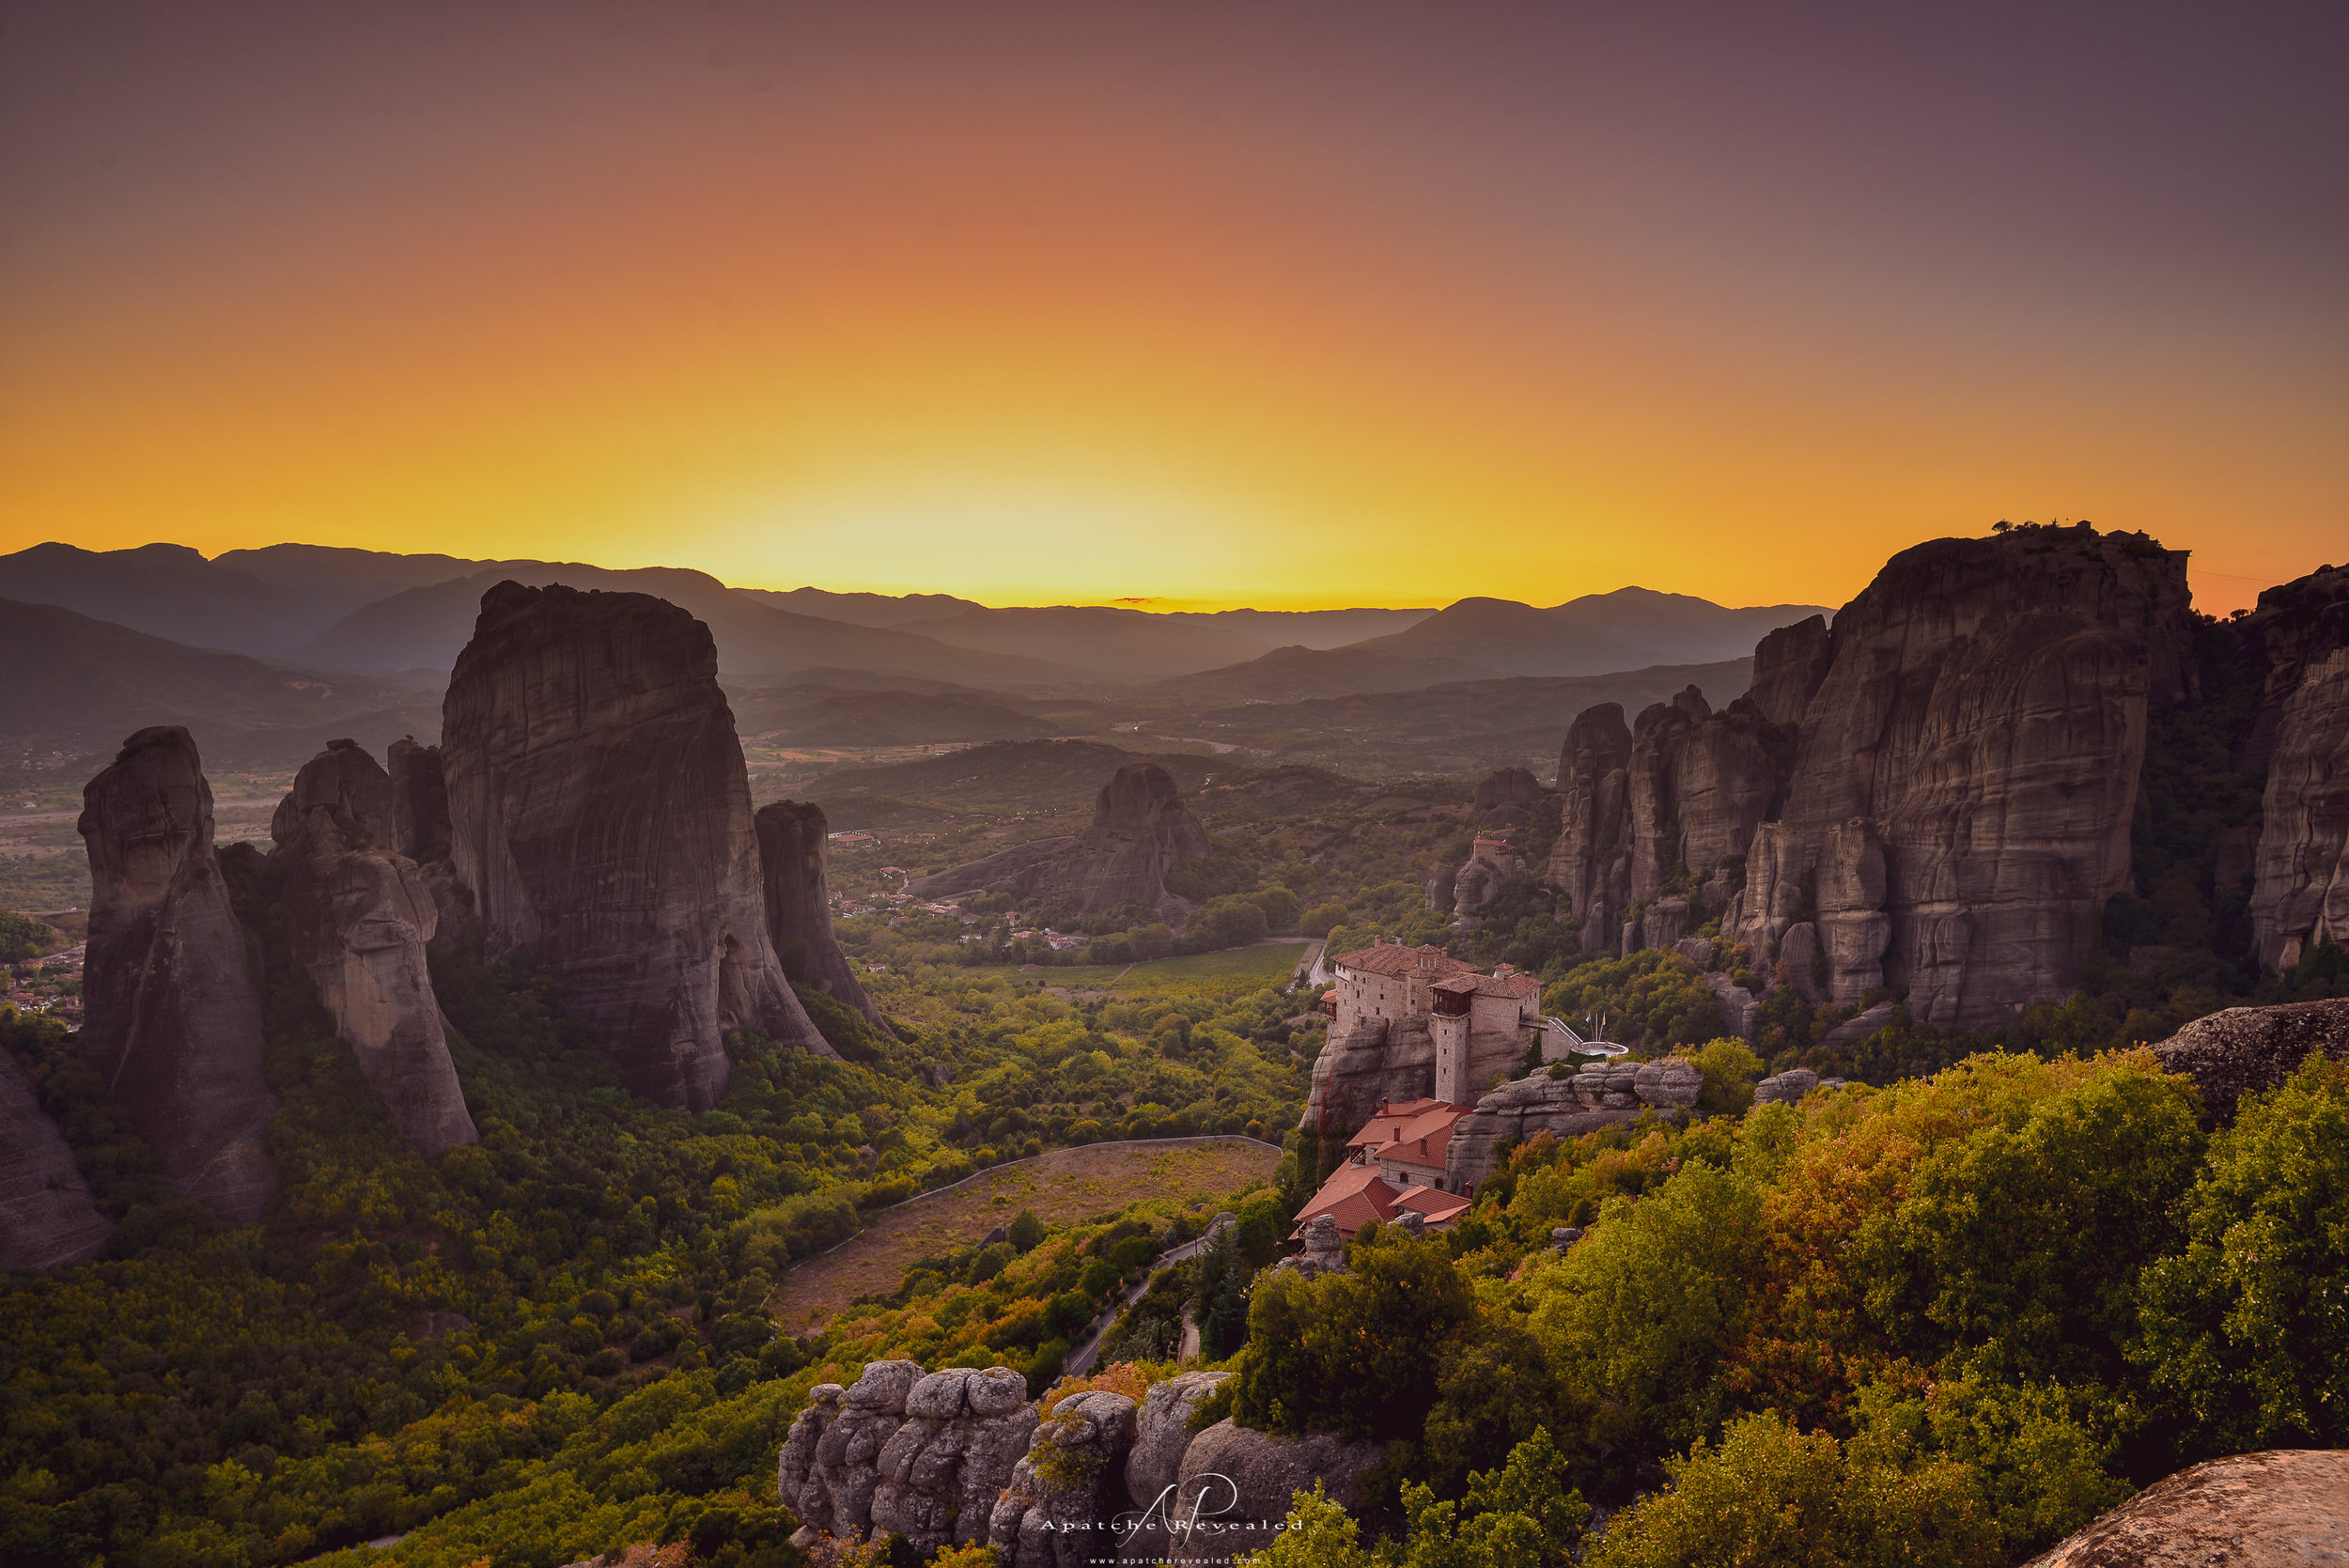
(1088, 1347)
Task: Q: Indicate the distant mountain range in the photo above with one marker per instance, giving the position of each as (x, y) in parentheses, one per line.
(265, 645)
(1481, 639)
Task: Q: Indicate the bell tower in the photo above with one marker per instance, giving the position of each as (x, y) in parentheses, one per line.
(1448, 1023)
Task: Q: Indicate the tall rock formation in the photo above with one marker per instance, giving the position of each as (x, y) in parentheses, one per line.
(2300, 891)
(1957, 802)
(359, 918)
(1591, 862)
(419, 801)
(799, 900)
(47, 1216)
(170, 1015)
(599, 813)
(1141, 828)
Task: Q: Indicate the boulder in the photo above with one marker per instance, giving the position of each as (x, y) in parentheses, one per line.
(1738, 1004)
(1443, 887)
(171, 1018)
(1324, 1249)
(1239, 1484)
(1858, 1027)
(599, 813)
(358, 920)
(1798, 959)
(799, 901)
(1787, 1087)
(1140, 828)
(2284, 1508)
(2300, 888)
(1700, 950)
(48, 1217)
(1600, 1095)
(1664, 920)
(1161, 1431)
(1672, 1083)
(2245, 1050)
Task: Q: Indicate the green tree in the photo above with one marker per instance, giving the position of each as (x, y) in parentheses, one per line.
(1316, 1533)
(1322, 919)
(1770, 1493)
(1518, 1516)
(1729, 1072)
(2246, 1333)
(1354, 1353)
(1280, 909)
(1025, 1230)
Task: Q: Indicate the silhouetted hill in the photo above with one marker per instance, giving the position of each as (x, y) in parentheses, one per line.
(875, 609)
(1108, 644)
(423, 628)
(1626, 629)
(800, 718)
(69, 682)
(169, 591)
(1307, 628)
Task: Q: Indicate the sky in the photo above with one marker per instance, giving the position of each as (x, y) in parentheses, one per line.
(1294, 306)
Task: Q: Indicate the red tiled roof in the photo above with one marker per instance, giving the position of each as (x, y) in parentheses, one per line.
(1353, 1196)
(1517, 988)
(1416, 1131)
(1387, 959)
(1433, 1205)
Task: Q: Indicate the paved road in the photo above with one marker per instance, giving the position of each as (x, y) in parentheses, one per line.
(1088, 1348)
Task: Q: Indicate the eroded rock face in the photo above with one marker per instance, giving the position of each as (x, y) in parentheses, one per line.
(1599, 1094)
(1161, 1435)
(48, 1217)
(2247, 1050)
(2285, 1508)
(1955, 805)
(1140, 829)
(601, 816)
(171, 1017)
(419, 801)
(2300, 891)
(799, 900)
(1591, 862)
(1788, 665)
(924, 1456)
(359, 919)
(1058, 1507)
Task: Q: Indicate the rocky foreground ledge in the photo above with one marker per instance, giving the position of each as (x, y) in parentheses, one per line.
(2286, 1508)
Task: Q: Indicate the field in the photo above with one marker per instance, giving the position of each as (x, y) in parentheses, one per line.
(1236, 968)
(1063, 1186)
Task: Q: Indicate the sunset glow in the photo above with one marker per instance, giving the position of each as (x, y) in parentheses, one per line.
(1320, 306)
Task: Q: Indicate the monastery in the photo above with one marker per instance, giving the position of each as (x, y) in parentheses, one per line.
(1470, 1015)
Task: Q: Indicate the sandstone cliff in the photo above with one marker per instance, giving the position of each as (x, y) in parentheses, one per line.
(1955, 806)
(923, 1456)
(47, 1216)
(799, 900)
(171, 1018)
(419, 801)
(600, 814)
(1140, 829)
(359, 918)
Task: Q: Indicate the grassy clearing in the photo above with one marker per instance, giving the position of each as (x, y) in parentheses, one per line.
(1063, 1186)
(1236, 968)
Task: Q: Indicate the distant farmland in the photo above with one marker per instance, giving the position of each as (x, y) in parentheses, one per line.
(1063, 1186)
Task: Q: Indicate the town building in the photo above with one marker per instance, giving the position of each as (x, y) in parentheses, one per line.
(1395, 1162)
(1472, 1016)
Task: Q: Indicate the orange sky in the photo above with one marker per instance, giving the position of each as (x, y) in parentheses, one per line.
(1291, 307)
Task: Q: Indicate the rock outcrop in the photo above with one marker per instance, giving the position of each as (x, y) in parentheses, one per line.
(1591, 862)
(923, 1456)
(2300, 891)
(359, 917)
(47, 1216)
(1141, 828)
(1787, 1088)
(1955, 804)
(600, 814)
(1599, 1094)
(1161, 1431)
(1239, 1482)
(1506, 798)
(171, 1018)
(799, 901)
(1059, 1507)
(2249, 1050)
(2284, 1508)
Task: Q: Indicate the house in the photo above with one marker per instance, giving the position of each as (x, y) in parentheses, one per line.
(1355, 1194)
(1406, 1141)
